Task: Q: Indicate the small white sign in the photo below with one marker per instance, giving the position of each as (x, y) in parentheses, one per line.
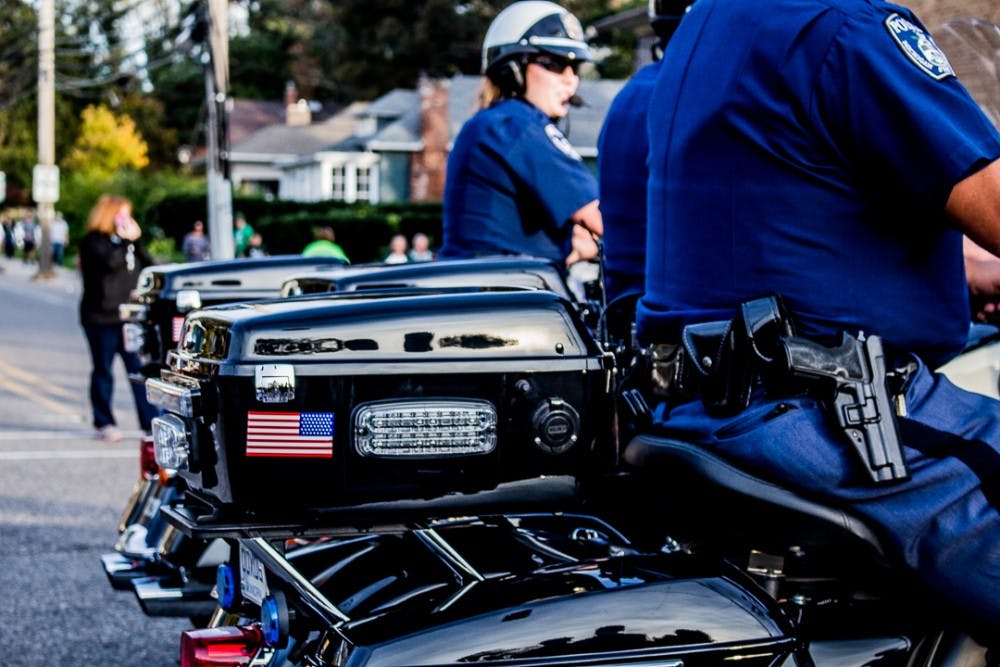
(253, 581)
(45, 184)
(3, 187)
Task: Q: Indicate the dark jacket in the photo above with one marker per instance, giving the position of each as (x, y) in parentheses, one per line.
(108, 276)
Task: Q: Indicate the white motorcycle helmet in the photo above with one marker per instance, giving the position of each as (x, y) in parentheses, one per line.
(525, 28)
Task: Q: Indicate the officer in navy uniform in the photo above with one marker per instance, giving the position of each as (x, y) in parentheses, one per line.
(514, 183)
(621, 163)
(823, 150)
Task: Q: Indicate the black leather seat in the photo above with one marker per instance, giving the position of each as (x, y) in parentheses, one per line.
(738, 501)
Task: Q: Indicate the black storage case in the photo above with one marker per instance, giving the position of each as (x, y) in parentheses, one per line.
(524, 352)
(152, 304)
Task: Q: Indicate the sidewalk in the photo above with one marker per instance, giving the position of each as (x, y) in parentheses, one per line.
(64, 280)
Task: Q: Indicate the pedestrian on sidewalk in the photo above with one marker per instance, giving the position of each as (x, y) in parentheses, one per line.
(195, 246)
(9, 245)
(59, 236)
(324, 245)
(111, 257)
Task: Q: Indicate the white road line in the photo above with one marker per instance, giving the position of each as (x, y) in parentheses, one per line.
(128, 436)
(53, 454)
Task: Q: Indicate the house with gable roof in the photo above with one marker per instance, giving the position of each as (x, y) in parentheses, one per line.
(365, 165)
(393, 149)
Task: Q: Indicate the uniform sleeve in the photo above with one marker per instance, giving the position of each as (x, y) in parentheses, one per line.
(890, 103)
(547, 165)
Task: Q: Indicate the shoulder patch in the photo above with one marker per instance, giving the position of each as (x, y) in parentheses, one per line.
(918, 47)
(560, 141)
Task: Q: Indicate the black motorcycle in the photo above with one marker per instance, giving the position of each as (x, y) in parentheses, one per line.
(443, 476)
(169, 573)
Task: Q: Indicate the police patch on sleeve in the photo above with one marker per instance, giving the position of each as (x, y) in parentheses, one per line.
(560, 141)
(918, 47)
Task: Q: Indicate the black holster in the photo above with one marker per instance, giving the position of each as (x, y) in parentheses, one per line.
(722, 362)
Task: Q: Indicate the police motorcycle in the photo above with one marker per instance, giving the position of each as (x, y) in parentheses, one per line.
(169, 575)
(445, 475)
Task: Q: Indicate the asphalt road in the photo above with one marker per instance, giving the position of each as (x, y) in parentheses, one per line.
(61, 492)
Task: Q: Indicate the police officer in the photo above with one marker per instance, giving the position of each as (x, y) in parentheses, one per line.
(514, 183)
(824, 150)
(621, 163)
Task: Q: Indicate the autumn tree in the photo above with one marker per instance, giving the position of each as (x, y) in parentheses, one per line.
(106, 143)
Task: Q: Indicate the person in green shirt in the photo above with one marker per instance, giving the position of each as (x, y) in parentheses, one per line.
(324, 246)
(242, 231)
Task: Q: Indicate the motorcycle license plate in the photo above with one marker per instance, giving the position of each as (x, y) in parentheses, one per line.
(253, 581)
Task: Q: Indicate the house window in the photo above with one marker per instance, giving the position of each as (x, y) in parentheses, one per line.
(339, 183)
(364, 191)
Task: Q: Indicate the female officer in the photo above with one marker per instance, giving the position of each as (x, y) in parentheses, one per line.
(514, 184)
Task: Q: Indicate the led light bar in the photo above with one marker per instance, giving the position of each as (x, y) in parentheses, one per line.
(169, 396)
(425, 429)
(133, 337)
(170, 442)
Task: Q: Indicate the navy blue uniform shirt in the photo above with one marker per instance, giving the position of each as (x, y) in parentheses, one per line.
(808, 148)
(513, 182)
(621, 176)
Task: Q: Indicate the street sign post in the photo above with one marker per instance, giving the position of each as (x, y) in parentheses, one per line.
(45, 184)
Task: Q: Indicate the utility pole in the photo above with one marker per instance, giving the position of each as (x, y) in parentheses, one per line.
(45, 177)
(220, 193)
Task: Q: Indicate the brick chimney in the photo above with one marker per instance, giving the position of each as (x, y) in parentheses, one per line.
(427, 168)
(296, 111)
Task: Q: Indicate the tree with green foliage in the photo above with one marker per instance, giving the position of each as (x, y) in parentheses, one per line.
(377, 45)
(18, 51)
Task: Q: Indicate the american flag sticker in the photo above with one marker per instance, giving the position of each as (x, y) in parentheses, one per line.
(290, 434)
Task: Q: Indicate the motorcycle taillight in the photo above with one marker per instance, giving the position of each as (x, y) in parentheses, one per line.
(228, 646)
(147, 459)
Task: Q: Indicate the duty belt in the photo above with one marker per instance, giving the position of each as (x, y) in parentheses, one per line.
(722, 362)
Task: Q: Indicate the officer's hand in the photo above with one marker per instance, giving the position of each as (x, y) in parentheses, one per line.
(982, 271)
(984, 288)
(583, 244)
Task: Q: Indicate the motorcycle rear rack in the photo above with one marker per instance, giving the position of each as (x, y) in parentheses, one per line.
(200, 517)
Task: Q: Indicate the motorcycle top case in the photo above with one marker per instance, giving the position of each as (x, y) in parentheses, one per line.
(326, 402)
(155, 310)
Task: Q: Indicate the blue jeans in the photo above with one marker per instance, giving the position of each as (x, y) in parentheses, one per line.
(105, 342)
(943, 523)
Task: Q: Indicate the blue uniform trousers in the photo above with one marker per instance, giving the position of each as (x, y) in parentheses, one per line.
(944, 521)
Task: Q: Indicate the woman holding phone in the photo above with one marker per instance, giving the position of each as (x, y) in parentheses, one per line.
(111, 258)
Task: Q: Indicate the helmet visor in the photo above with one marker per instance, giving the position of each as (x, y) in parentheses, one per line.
(561, 35)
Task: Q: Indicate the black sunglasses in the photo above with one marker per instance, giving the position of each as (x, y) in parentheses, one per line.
(555, 64)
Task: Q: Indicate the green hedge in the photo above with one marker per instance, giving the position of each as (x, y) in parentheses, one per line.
(362, 230)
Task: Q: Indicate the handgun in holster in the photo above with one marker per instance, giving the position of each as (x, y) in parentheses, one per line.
(723, 361)
(852, 378)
